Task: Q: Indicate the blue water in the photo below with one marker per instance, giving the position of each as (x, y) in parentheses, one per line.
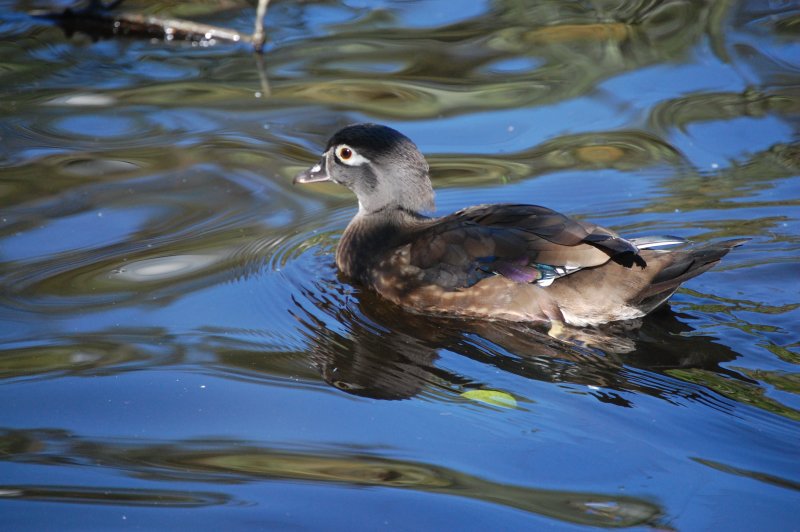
(177, 349)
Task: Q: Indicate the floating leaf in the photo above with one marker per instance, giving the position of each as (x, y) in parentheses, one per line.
(492, 397)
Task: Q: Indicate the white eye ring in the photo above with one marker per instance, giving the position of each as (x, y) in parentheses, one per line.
(347, 155)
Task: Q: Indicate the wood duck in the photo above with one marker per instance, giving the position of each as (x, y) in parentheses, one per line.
(515, 262)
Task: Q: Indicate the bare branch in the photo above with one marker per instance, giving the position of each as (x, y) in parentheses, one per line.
(259, 36)
(97, 20)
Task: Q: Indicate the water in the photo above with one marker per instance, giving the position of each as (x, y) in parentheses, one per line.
(176, 348)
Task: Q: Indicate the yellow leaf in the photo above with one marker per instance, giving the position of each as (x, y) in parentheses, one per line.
(492, 397)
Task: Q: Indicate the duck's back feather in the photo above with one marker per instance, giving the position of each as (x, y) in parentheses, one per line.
(525, 243)
(527, 263)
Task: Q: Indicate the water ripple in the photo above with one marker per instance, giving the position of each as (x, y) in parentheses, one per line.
(113, 495)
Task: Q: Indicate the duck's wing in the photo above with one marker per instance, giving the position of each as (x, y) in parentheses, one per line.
(524, 243)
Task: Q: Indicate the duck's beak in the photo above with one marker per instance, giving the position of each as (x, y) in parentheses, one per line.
(316, 174)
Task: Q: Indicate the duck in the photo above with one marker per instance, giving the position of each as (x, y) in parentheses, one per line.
(509, 261)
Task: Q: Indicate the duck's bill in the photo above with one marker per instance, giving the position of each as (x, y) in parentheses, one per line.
(316, 174)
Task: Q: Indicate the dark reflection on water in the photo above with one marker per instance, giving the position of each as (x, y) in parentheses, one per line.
(388, 354)
(112, 496)
(173, 333)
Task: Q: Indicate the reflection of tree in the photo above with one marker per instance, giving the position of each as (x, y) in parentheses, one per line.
(87, 355)
(694, 191)
(707, 106)
(221, 463)
(181, 226)
(621, 150)
(450, 70)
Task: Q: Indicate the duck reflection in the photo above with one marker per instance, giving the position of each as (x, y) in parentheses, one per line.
(367, 347)
(371, 359)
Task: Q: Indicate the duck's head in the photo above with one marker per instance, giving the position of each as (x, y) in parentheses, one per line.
(381, 166)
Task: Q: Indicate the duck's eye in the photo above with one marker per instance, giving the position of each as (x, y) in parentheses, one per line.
(345, 153)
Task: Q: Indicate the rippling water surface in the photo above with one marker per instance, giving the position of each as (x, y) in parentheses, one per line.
(177, 349)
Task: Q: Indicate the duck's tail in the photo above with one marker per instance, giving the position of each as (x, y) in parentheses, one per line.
(614, 291)
(673, 267)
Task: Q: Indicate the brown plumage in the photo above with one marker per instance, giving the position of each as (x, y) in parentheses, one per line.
(505, 261)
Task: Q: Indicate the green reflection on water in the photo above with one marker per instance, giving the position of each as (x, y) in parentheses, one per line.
(440, 71)
(575, 507)
(755, 475)
(751, 394)
(706, 106)
(224, 462)
(787, 382)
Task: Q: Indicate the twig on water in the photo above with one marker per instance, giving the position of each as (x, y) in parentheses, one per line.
(259, 36)
(97, 20)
